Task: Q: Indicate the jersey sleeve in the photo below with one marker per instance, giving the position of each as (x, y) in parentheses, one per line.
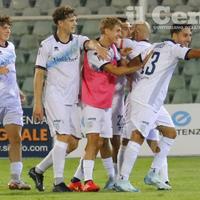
(180, 52)
(94, 60)
(42, 56)
(81, 40)
(136, 49)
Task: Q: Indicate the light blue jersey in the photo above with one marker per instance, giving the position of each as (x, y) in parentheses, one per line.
(9, 91)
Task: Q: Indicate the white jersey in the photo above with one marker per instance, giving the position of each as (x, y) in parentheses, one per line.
(9, 91)
(151, 89)
(62, 62)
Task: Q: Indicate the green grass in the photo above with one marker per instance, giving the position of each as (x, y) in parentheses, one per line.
(184, 176)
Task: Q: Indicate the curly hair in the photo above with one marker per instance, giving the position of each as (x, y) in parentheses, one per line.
(5, 20)
(62, 12)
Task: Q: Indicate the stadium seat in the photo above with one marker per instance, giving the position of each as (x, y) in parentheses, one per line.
(44, 6)
(177, 82)
(72, 3)
(197, 100)
(1, 5)
(7, 11)
(18, 6)
(83, 11)
(121, 5)
(28, 43)
(183, 8)
(171, 3)
(6, 3)
(195, 84)
(190, 68)
(42, 29)
(90, 27)
(105, 10)
(95, 5)
(29, 11)
(32, 57)
(20, 28)
(27, 86)
(194, 3)
(155, 38)
(182, 96)
(20, 58)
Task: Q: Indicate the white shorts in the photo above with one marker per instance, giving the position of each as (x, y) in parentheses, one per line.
(63, 119)
(97, 120)
(11, 115)
(144, 119)
(153, 135)
(118, 114)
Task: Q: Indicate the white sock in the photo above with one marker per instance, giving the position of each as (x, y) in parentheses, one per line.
(44, 164)
(165, 145)
(120, 158)
(58, 156)
(88, 166)
(108, 165)
(115, 168)
(164, 171)
(130, 157)
(16, 170)
(79, 171)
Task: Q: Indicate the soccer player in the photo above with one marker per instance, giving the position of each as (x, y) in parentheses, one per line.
(119, 98)
(147, 111)
(140, 34)
(10, 106)
(98, 86)
(59, 58)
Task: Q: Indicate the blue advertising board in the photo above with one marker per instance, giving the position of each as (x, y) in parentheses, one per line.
(36, 139)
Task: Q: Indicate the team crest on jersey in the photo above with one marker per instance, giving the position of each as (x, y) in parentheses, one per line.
(56, 49)
(56, 124)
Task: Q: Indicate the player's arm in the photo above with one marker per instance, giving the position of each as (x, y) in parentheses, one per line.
(193, 53)
(38, 83)
(135, 61)
(3, 70)
(122, 70)
(94, 45)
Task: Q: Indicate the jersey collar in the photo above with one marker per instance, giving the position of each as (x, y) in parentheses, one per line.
(58, 40)
(6, 44)
(170, 40)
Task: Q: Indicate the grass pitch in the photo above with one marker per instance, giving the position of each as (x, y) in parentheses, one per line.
(184, 175)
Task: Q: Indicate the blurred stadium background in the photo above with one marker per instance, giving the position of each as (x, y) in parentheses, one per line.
(32, 23)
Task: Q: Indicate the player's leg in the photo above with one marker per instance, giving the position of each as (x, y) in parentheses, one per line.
(106, 156)
(166, 127)
(13, 125)
(92, 120)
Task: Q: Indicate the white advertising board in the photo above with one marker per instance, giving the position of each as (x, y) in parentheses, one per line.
(187, 121)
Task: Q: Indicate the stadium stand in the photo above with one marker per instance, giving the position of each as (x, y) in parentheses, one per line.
(26, 35)
(182, 96)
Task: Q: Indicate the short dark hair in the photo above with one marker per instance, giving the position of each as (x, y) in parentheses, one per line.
(176, 28)
(62, 13)
(123, 19)
(5, 20)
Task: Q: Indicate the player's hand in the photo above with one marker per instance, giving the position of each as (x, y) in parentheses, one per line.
(3, 70)
(102, 52)
(38, 112)
(22, 97)
(125, 52)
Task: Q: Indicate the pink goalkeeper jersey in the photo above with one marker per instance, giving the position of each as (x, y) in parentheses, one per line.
(98, 86)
